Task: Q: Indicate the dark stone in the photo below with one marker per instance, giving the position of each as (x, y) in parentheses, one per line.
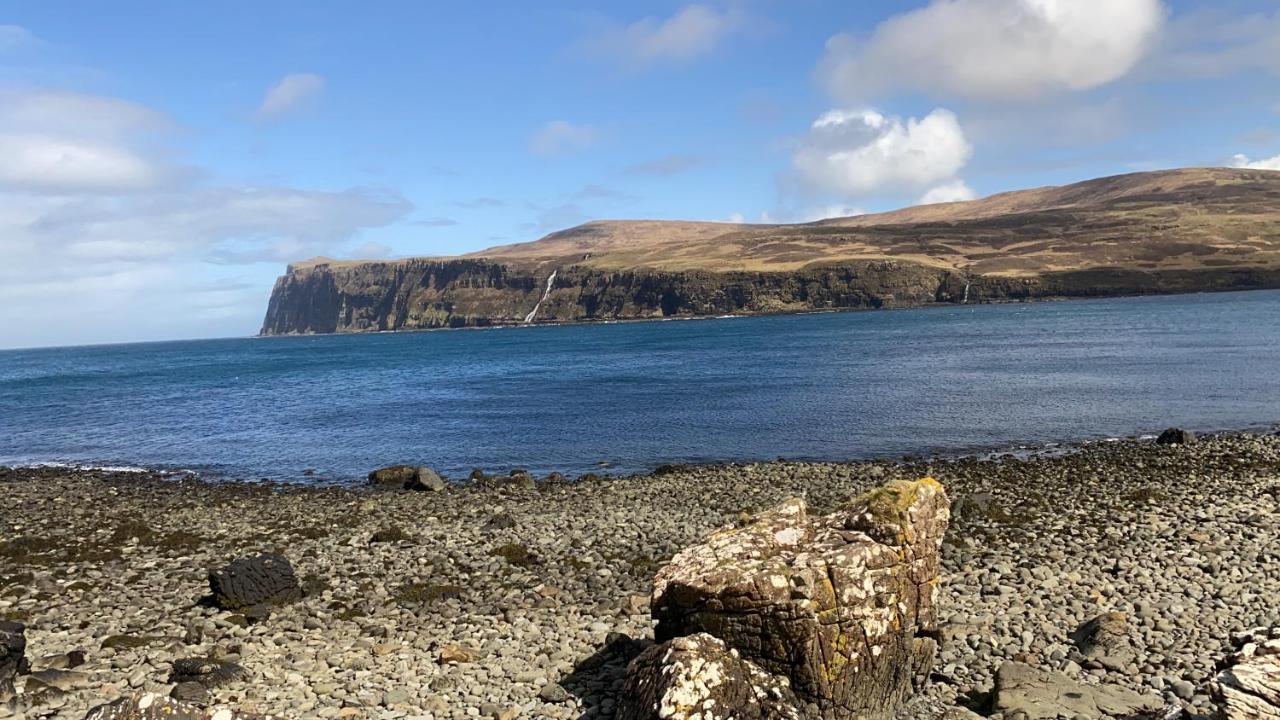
(1176, 436)
(191, 692)
(13, 660)
(206, 672)
(265, 579)
(408, 477)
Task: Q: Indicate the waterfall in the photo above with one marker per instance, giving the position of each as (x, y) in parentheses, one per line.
(963, 300)
(532, 313)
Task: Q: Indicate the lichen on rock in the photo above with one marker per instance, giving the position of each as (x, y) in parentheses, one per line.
(841, 605)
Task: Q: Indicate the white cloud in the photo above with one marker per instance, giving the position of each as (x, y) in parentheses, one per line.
(1241, 161)
(693, 31)
(102, 233)
(49, 163)
(561, 137)
(831, 211)
(852, 153)
(995, 49)
(954, 191)
(289, 94)
(55, 142)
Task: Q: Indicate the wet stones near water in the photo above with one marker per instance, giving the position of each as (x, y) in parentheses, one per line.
(408, 477)
(150, 706)
(841, 605)
(697, 677)
(1036, 694)
(1176, 436)
(252, 582)
(1249, 687)
(13, 660)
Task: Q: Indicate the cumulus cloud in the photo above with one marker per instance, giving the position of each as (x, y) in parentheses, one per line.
(954, 191)
(692, 32)
(1241, 161)
(101, 230)
(561, 137)
(995, 49)
(852, 153)
(291, 93)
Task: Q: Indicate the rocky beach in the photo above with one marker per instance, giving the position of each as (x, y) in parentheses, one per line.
(1122, 567)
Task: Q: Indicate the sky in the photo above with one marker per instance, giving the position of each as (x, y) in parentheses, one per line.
(161, 163)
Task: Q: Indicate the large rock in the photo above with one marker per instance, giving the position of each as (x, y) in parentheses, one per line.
(13, 660)
(1036, 694)
(150, 706)
(258, 581)
(699, 677)
(1105, 638)
(409, 477)
(1249, 687)
(841, 605)
(1176, 436)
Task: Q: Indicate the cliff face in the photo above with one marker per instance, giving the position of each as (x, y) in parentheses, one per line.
(417, 295)
(1161, 232)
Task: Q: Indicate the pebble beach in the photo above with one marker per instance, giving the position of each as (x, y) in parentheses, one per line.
(510, 596)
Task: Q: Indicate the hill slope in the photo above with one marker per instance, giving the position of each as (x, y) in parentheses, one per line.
(1168, 231)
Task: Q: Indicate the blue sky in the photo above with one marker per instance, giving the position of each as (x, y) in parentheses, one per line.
(161, 162)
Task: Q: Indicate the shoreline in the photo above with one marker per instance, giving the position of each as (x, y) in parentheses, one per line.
(606, 472)
(500, 598)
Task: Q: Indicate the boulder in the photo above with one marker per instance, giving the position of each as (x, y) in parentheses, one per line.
(1105, 638)
(13, 659)
(1176, 436)
(840, 605)
(698, 677)
(408, 477)
(207, 672)
(1249, 687)
(150, 706)
(1035, 694)
(260, 580)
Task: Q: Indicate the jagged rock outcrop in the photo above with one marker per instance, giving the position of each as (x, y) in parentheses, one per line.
(13, 658)
(842, 606)
(150, 706)
(1249, 687)
(699, 677)
(260, 581)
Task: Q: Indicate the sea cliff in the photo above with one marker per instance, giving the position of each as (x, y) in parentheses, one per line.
(422, 294)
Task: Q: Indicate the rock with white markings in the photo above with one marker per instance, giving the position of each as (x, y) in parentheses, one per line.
(698, 677)
(150, 706)
(841, 605)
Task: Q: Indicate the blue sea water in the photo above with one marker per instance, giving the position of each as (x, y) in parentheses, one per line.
(634, 395)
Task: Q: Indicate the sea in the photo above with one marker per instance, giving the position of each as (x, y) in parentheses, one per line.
(626, 397)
